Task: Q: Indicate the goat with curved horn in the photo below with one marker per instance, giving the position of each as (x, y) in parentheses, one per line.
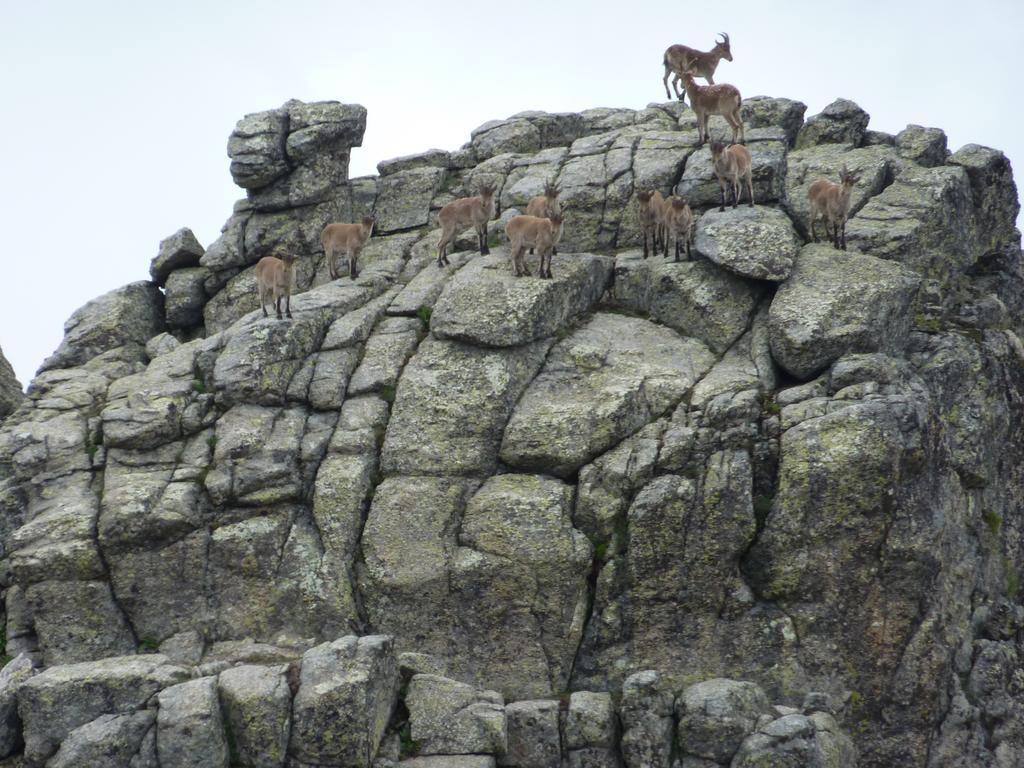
(679, 58)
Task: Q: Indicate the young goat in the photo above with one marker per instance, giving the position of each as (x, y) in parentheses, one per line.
(276, 278)
(348, 239)
(832, 202)
(732, 164)
(650, 206)
(545, 206)
(679, 223)
(462, 213)
(535, 231)
(679, 58)
(707, 100)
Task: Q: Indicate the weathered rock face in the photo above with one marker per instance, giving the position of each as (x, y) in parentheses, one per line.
(603, 519)
(11, 393)
(836, 303)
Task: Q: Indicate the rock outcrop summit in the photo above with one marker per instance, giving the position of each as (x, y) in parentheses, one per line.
(763, 507)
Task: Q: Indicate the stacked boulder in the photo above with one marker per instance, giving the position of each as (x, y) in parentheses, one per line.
(777, 463)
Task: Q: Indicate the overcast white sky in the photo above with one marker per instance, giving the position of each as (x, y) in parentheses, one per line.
(115, 115)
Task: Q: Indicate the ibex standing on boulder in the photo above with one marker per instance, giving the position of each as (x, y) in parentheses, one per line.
(347, 239)
(542, 233)
(545, 205)
(276, 278)
(732, 164)
(462, 213)
(722, 99)
(650, 211)
(679, 223)
(832, 202)
(679, 58)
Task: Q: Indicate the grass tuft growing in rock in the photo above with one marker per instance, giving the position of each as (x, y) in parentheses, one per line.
(424, 313)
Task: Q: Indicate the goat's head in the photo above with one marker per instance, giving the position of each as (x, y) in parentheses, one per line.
(717, 148)
(288, 258)
(556, 220)
(551, 190)
(679, 203)
(368, 222)
(722, 47)
(644, 195)
(849, 178)
(487, 191)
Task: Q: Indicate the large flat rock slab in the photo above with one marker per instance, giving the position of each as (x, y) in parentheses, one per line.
(452, 404)
(754, 242)
(598, 386)
(696, 298)
(484, 304)
(837, 302)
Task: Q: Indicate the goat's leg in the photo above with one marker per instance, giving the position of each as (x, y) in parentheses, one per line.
(721, 183)
(711, 78)
(680, 94)
(277, 304)
(263, 301)
(664, 80)
(484, 250)
(288, 305)
(353, 273)
(842, 224)
(645, 240)
(750, 187)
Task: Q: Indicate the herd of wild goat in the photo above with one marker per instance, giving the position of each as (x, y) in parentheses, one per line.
(661, 219)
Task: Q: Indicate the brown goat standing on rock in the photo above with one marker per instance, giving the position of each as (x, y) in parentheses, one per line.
(545, 206)
(276, 278)
(832, 202)
(542, 233)
(722, 99)
(679, 223)
(679, 58)
(348, 239)
(732, 164)
(462, 213)
(650, 204)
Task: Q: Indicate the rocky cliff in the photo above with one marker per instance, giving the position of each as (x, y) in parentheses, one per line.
(763, 507)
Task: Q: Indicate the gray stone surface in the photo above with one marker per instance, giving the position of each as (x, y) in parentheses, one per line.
(599, 385)
(256, 702)
(695, 298)
(347, 690)
(646, 712)
(451, 407)
(715, 716)
(485, 305)
(15, 672)
(839, 302)
(841, 122)
(185, 296)
(113, 740)
(237, 493)
(189, 728)
(403, 198)
(62, 698)
(452, 718)
(178, 251)
(11, 392)
(759, 243)
(129, 315)
(533, 735)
